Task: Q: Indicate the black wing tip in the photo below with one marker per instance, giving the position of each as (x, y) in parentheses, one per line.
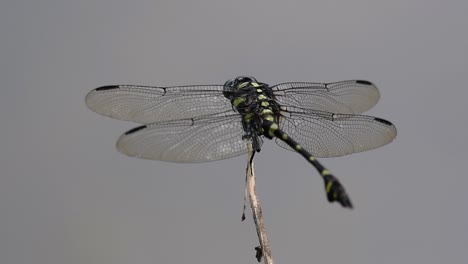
(133, 130)
(364, 82)
(107, 87)
(383, 121)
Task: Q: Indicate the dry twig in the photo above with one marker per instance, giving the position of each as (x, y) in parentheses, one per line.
(264, 249)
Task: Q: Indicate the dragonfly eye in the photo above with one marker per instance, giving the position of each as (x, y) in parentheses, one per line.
(229, 83)
(228, 88)
(243, 79)
(239, 82)
(234, 83)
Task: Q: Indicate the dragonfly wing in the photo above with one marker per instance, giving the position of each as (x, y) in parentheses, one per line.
(325, 134)
(189, 140)
(346, 97)
(149, 104)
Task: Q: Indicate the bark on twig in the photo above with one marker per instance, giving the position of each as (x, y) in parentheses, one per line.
(264, 249)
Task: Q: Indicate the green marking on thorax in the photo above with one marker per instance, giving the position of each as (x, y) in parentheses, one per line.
(238, 101)
(242, 85)
(248, 116)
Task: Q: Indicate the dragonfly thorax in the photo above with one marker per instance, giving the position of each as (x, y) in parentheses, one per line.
(255, 103)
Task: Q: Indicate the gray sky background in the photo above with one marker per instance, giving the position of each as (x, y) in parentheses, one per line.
(68, 196)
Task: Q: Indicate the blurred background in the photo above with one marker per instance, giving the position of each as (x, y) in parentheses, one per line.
(68, 196)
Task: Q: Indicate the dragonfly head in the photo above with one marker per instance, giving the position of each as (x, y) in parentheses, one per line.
(236, 84)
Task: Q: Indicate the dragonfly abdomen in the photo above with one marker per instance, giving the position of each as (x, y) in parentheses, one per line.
(335, 191)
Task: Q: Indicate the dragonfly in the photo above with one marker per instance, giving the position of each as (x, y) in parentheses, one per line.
(201, 123)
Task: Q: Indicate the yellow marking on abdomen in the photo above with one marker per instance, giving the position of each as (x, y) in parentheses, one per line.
(325, 172)
(272, 129)
(298, 147)
(311, 158)
(328, 187)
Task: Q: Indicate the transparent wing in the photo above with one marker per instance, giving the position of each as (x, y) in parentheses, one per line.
(325, 134)
(189, 140)
(148, 104)
(346, 97)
